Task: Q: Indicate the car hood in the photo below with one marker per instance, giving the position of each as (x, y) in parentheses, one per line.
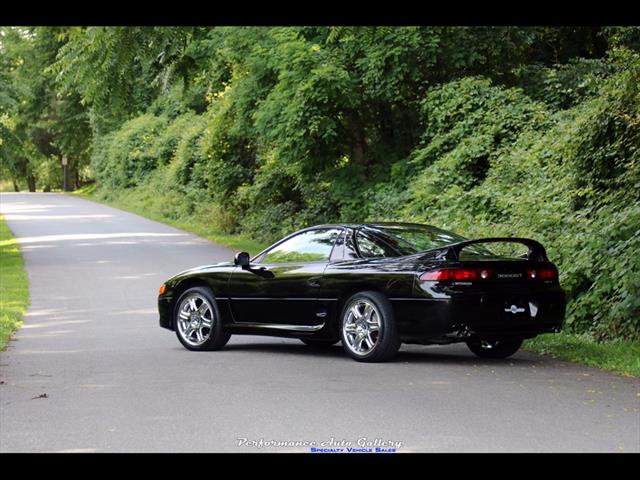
(202, 268)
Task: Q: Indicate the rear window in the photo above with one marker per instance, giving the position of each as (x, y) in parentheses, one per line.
(397, 240)
(372, 247)
(392, 240)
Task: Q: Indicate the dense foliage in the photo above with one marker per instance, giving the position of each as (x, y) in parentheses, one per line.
(486, 130)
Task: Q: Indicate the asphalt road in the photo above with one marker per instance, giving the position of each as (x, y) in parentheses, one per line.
(117, 382)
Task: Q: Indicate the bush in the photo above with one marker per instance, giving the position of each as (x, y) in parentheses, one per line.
(188, 162)
(166, 142)
(564, 86)
(49, 174)
(123, 158)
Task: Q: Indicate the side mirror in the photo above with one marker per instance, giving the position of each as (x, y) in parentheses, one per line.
(242, 259)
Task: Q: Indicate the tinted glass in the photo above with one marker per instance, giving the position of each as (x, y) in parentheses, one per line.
(371, 247)
(410, 239)
(310, 246)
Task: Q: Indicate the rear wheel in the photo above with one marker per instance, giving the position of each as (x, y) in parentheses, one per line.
(499, 348)
(197, 321)
(368, 328)
(319, 343)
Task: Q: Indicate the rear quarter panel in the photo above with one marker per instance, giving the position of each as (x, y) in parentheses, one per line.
(343, 279)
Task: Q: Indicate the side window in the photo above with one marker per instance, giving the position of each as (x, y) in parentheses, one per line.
(310, 246)
(371, 247)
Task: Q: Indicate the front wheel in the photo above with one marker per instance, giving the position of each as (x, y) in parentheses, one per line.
(500, 348)
(368, 329)
(197, 321)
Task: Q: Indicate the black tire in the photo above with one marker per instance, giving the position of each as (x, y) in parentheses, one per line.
(499, 348)
(216, 338)
(319, 343)
(387, 341)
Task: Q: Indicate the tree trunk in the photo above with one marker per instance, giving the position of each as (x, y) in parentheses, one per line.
(358, 140)
(16, 187)
(31, 182)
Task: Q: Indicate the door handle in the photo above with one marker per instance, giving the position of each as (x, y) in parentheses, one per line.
(314, 281)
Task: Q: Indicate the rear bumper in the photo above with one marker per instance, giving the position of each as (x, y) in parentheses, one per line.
(480, 316)
(164, 309)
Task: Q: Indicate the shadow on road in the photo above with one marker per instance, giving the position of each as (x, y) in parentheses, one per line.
(429, 355)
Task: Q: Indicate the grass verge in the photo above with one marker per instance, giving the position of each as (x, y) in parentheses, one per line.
(199, 222)
(14, 285)
(622, 357)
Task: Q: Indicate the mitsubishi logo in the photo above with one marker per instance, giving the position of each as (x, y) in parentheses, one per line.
(513, 309)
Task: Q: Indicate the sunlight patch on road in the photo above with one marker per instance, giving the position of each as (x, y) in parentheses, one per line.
(45, 312)
(27, 207)
(55, 217)
(97, 236)
(52, 324)
(54, 333)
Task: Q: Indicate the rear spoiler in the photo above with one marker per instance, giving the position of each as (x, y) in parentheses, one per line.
(536, 250)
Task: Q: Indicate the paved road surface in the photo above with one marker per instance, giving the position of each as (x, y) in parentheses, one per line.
(117, 382)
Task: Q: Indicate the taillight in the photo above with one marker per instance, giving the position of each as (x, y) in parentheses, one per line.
(162, 289)
(544, 273)
(468, 274)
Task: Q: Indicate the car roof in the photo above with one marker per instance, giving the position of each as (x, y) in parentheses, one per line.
(369, 224)
(344, 225)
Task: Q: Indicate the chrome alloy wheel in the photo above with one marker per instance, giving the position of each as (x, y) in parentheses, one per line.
(361, 327)
(195, 319)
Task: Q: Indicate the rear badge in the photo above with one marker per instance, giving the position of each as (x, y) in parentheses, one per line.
(509, 275)
(514, 309)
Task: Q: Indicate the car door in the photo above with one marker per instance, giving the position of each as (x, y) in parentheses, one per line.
(281, 287)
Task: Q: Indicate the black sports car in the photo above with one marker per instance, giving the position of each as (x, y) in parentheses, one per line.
(373, 287)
